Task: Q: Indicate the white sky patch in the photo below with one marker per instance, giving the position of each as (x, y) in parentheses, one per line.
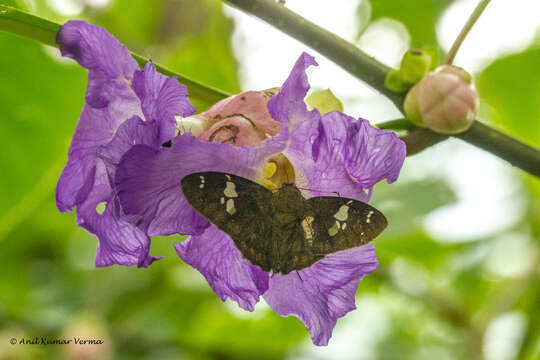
(488, 196)
(504, 335)
(66, 7)
(411, 277)
(98, 3)
(261, 308)
(184, 277)
(54, 54)
(506, 249)
(505, 27)
(387, 40)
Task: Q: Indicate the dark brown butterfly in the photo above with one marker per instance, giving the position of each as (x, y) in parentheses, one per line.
(280, 230)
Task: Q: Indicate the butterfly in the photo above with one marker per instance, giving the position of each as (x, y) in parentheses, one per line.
(280, 230)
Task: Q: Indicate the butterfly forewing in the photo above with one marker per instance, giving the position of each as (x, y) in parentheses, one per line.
(237, 206)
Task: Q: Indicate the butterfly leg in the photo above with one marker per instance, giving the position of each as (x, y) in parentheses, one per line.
(297, 273)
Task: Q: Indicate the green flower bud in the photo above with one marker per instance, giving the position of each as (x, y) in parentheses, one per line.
(325, 101)
(415, 65)
(394, 81)
(411, 107)
(444, 101)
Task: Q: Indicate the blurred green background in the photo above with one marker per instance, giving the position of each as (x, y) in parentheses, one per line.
(475, 297)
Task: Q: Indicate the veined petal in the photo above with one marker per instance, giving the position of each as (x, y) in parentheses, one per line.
(148, 180)
(119, 242)
(231, 276)
(372, 154)
(162, 97)
(95, 49)
(96, 127)
(332, 135)
(328, 172)
(131, 132)
(288, 106)
(109, 102)
(322, 293)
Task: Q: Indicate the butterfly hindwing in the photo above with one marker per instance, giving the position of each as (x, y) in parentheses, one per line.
(341, 223)
(237, 206)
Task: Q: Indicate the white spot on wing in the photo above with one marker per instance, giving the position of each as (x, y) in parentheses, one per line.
(222, 200)
(368, 218)
(229, 207)
(343, 226)
(230, 190)
(202, 182)
(342, 214)
(334, 229)
(308, 229)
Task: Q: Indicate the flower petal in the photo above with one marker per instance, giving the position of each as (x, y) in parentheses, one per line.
(162, 97)
(322, 293)
(288, 106)
(119, 242)
(242, 119)
(328, 172)
(148, 180)
(372, 154)
(351, 156)
(231, 276)
(131, 132)
(95, 49)
(96, 127)
(110, 101)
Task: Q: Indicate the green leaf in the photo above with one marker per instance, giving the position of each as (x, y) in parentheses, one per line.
(20, 23)
(23, 24)
(420, 17)
(511, 88)
(404, 204)
(193, 37)
(41, 101)
(206, 54)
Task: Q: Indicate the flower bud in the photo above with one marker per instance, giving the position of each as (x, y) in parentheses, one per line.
(241, 120)
(325, 101)
(444, 101)
(415, 65)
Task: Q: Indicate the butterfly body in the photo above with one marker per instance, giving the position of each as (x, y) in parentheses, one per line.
(280, 230)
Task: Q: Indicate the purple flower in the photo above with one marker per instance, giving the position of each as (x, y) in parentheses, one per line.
(124, 106)
(333, 152)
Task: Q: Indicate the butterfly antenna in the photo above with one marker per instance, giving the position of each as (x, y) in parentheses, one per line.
(330, 192)
(297, 273)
